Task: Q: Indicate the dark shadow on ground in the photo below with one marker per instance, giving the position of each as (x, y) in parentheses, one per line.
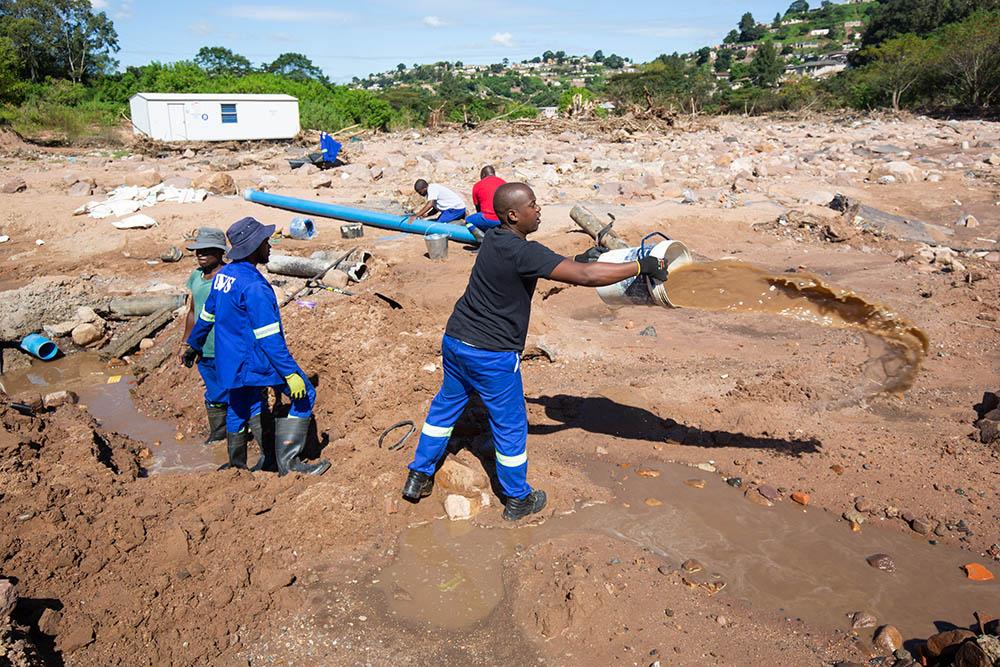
(28, 612)
(600, 415)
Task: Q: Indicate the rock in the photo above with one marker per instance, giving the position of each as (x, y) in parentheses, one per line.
(458, 507)
(691, 566)
(934, 177)
(991, 647)
(863, 619)
(87, 334)
(754, 496)
(267, 180)
(689, 197)
(57, 398)
(922, 526)
(86, 314)
(8, 600)
(80, 634)
(336, 278)
(80, 189)
(649, 331)
(459, 478)
(224, 163)
(145, 178)
(695, 483)
(837, 469)
(13, 185)
(888, 639)
(993, 159)
(968, 221)
(218, 183)
(992, 257)
(188, 153)
(735, 482)
(818, 198)
(800, 497)
(48, 622)
(181, 182)
(706, 467)
(742, 168)
(146, 343)
(885, 563)
(307, 169)
(321, 181)
(863, 504)
(886, 180)
(971, 654)
(769, 492)
(61, 328)
(939, 643)
(376, 173)
(903, 172)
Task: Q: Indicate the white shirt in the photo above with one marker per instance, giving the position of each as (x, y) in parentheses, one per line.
(445, 199)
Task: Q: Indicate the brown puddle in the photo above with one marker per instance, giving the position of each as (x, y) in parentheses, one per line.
(786, 559)
(105, 393)
(729, 285)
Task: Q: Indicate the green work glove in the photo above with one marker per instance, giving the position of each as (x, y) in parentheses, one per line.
(296, 386)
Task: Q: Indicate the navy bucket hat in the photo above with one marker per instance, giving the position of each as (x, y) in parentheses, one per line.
(245, 236)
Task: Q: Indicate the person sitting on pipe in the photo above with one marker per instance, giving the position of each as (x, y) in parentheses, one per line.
(208, 246)
(485, 336)
(251, 354)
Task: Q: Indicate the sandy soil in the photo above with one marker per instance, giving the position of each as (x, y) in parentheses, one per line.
(228, 568)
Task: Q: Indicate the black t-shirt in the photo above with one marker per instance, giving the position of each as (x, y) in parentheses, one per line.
(493, 313)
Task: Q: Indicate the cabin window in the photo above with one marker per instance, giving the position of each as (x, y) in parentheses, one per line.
(228, 113)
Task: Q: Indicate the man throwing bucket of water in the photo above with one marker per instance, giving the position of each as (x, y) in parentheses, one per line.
(484, 339)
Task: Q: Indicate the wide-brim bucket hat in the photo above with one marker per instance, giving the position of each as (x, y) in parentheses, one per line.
(208, 237)
(245, 236)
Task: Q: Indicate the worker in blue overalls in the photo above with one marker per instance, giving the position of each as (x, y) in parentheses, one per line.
(484, 339)
(251, 354)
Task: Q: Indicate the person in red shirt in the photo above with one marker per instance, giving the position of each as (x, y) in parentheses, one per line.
(482, 197)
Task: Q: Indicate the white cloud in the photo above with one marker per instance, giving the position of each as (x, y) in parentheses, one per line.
(201, 28)
(434, 22)
(503, 39)
(285, 14)
(124, 10)
(99, 4)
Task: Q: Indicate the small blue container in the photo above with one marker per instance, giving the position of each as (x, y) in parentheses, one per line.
(39, 346)
(302, 229)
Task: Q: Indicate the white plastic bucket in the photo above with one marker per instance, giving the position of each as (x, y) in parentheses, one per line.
(643, 290)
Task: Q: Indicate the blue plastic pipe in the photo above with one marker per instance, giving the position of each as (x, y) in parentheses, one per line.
(39, 346)
(402, 223)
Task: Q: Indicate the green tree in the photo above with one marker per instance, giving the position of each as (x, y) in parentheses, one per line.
(296, 66)
(614, 61)
(11, 84)
(896, 65)
(920, 17)
(220, 61)
(798, 7)
(560, 56)
(401, 67)
(766, 67)
(749, 30)
(776, 23)
(731, 37)
(723, 60)
(548, 56)
(598, 56)
(703, 55)
(970, 58)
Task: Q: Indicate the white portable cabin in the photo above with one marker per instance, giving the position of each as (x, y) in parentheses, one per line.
(214, 117)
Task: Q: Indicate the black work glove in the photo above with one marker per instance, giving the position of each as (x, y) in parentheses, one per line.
(191, 355)
(590, 256)
(654, 267)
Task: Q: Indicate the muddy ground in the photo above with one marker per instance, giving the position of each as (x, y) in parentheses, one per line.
(119, 564)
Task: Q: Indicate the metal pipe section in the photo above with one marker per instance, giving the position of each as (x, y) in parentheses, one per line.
(401, 223)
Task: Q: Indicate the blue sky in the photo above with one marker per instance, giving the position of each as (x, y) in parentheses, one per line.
(356, 38)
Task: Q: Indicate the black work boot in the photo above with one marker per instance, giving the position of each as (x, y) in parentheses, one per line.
(236, 443)
(289, 441)
(418, 485)
(267, 461)
(216, 422)
(518, 508)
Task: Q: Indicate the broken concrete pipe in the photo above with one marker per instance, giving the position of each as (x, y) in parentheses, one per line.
(640, 290)
(39, 346)
(142, 305)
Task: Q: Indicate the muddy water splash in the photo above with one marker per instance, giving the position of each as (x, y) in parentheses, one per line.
(729, 285)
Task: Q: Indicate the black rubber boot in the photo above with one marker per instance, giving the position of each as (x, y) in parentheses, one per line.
(267, 461)
(236, 443)
(289, 441)
(518, 508)
(216, 422)
(418, 485)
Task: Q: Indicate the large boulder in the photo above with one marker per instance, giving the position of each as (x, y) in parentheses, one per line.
(146, 178)
(12, 185)
(902, 172)
(218, 183)
(87, 333)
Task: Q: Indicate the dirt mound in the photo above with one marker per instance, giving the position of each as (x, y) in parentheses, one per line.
(11, 142)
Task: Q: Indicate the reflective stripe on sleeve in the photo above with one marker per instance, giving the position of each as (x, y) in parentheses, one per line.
(267, 330)
(207, 316)
(432, 431)
(512, 461)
